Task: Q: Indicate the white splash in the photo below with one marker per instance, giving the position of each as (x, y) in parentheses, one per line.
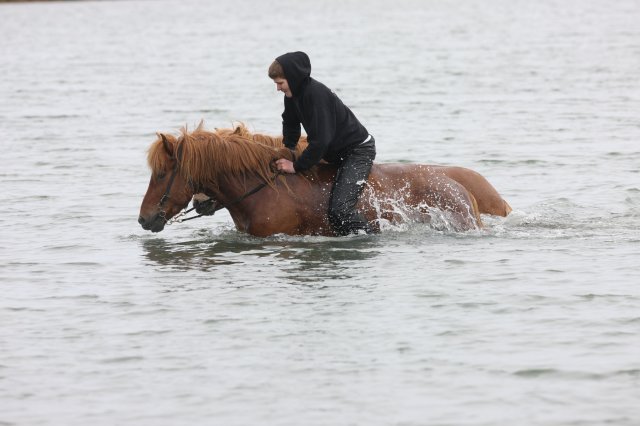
(394, 213)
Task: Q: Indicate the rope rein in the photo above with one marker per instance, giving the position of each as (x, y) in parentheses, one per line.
(179, 218)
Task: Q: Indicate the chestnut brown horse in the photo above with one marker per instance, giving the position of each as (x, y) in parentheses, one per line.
(235, 169)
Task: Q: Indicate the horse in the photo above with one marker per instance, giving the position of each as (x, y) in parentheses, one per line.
(236, 170)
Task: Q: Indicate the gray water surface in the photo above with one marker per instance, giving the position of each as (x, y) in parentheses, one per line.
(533, 320)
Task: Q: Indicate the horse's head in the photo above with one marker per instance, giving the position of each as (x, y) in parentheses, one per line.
(169, 190)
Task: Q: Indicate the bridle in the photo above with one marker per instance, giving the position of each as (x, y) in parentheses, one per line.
(179, 217)
(165, 197)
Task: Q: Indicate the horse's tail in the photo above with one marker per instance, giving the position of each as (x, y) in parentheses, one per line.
(476, 210)
(507, 208)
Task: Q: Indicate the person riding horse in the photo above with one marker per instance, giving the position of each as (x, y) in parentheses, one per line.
(334, 134)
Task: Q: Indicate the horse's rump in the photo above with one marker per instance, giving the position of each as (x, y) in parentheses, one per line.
(413, 190)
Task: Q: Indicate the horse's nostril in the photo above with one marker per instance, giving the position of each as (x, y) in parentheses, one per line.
(141, 220)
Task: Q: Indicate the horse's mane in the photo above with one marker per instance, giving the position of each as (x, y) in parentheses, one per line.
(204, 155)
(275, 141)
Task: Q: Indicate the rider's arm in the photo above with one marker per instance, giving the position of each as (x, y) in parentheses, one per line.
(320, 130)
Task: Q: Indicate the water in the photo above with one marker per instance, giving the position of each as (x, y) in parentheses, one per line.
(531, 321)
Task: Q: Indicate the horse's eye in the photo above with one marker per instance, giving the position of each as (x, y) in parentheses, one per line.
(161, 175)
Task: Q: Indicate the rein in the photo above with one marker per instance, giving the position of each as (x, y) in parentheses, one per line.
(178, 218)
(253, 191)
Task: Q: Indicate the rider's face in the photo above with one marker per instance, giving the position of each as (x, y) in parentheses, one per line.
(283, 86)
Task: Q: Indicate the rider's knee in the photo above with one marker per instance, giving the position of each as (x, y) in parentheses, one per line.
(346, 222)
(338, 217)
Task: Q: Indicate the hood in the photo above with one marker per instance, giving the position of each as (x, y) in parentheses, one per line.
(297, 69)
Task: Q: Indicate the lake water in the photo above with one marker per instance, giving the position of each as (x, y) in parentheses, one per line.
(534, 320)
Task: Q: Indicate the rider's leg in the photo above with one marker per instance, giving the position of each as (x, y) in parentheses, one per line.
(350, 180)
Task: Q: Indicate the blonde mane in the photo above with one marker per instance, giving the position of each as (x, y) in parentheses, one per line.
(274, 141)
(206, 155)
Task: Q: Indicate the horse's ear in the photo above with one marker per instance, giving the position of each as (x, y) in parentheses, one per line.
(237, 130)
(167, 146)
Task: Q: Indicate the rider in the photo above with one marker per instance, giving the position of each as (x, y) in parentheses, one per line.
(333, 133)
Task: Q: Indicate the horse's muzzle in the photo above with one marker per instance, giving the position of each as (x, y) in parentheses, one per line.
(155, 224)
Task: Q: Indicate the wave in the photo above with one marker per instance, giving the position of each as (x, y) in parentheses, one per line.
(562, 218)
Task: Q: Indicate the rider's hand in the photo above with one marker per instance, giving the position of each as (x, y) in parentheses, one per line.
(284, 165)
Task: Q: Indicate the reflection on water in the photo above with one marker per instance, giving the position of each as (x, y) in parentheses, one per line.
(185, 255)
(337, 258)
(302, 259)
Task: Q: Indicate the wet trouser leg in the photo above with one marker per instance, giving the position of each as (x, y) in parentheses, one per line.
(350, 180)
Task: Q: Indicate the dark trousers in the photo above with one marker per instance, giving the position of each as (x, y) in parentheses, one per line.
(350, 180)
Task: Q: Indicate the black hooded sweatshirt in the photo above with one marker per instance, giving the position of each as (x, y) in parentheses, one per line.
(332, 129)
